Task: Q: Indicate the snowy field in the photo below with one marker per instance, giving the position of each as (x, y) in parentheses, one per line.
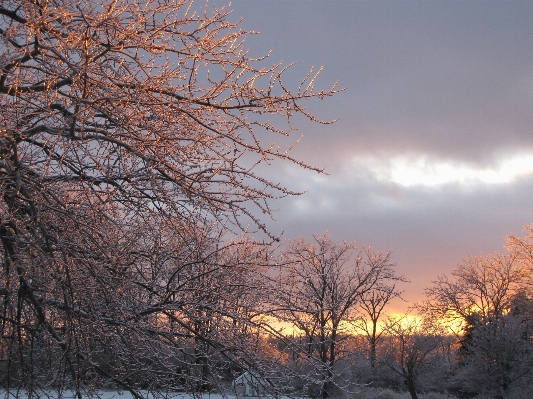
(118, 395)
(366, 393)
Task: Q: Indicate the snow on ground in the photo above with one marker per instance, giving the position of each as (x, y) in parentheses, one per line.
(14, 394)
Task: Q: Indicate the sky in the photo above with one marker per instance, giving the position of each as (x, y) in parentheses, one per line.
(432, 156)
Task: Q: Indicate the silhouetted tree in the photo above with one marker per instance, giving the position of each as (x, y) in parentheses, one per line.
(479, 299)
(318, 291)
(372, 306)
(412, 346)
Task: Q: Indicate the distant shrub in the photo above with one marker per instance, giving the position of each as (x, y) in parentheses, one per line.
(386, 394)
(367, 392)
(436, 395)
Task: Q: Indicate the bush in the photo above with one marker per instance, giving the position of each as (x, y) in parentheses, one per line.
(387, 394)
(436, 395)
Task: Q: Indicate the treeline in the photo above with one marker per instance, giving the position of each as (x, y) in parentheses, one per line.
(193, 312)
(308, 318)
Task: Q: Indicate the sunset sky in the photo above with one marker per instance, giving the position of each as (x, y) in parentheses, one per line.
(432, 158)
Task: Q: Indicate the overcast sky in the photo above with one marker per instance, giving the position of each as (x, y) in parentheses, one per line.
(432, 158)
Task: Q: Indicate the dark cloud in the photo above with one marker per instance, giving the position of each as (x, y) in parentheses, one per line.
(451, 78)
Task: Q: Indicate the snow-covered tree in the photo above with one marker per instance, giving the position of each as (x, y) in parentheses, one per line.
(498, 359)
(318, 292)
(411, 348)
(486, 303)
(128, 129)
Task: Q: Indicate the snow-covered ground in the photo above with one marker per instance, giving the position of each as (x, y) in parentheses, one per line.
(116, 395)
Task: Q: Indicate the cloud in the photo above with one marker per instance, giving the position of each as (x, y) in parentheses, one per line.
(408, 170)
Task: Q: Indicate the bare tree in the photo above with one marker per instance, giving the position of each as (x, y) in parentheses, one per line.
(127, 129)
(318, 292)
(521, 249)
(411, 346)
(372, 305)
(151, 104)
(482, 286)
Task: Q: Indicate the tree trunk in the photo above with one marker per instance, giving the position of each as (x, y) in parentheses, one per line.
(410, 382)
(373, 344)
(327, 371)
